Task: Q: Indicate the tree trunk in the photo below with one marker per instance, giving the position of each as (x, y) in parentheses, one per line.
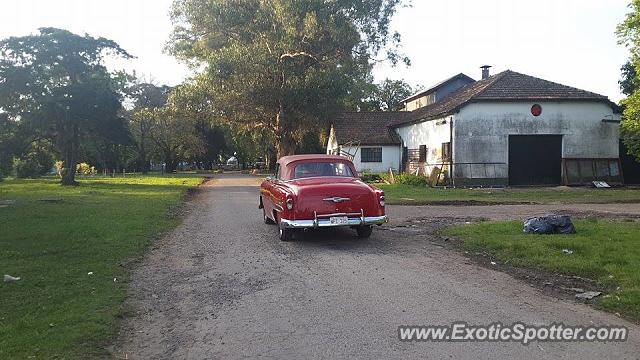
(170, 162)
(143, 154)
(70, 158)
(283, 141)
(171, 166)
(144, 164)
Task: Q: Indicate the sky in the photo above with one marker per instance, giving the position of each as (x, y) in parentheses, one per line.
(572, 42)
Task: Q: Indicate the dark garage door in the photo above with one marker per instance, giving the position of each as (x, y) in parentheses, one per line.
(535, 159)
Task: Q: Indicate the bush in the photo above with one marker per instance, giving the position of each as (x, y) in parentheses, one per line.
(33, 165)
(59, 166)
(29, 168)
(371, 177)
(406, 179)
(85, 169)
(410, 179)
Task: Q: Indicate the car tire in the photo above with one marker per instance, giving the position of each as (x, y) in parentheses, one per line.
(267, 220)
(364, 231)
(285, 234)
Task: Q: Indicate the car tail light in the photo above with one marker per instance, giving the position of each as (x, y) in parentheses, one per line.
(382, 200)
(289, 203)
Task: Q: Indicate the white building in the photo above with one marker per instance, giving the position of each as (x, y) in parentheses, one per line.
(508, 129)
(366, 137)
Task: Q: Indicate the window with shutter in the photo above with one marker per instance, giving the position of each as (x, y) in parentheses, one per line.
(369, 155)
(446, 151)
(423, 153)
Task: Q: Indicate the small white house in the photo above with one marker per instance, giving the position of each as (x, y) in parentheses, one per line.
(506, 129)
(366, 138)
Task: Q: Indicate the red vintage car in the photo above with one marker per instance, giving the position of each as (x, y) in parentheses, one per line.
(316, 191)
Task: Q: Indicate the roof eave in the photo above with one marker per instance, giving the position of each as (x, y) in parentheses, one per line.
(374, 144)
(427, 118)
(615, 107)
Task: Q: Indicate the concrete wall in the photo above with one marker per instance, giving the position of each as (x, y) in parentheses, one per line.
(390, 159)
(431, 133)
(481, 133)
(422, 101)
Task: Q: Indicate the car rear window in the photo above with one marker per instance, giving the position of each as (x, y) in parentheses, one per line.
(314, 169)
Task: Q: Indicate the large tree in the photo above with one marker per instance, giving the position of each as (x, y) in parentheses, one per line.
(629, 80)
(282, 67)
(174, 135)
(387, 95)
(146, 97)
(629, 35)
(55, 82)
(7, 144)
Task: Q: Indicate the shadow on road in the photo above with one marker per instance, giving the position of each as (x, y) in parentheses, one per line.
(339, 239)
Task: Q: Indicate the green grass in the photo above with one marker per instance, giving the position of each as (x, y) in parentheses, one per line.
(606, 251)
(399, 194)
(57, 310)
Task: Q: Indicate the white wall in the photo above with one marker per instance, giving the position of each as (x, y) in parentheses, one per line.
(332, 143)
(390, 159)
(431, 133)
(390, 155)
(482, 129)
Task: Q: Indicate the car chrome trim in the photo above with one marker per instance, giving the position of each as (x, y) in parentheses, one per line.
(321, 177)
(337, 199)
(323, 221)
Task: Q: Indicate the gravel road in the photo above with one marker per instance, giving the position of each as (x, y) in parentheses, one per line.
(222, 286)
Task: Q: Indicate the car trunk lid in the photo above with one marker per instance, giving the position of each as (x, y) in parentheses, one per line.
(331, 195)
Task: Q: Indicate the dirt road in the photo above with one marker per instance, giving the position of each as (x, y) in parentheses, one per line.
(223, 286)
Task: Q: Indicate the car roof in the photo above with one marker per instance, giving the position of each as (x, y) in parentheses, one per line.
(286, 160)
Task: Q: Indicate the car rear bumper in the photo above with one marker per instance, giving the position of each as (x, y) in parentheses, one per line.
(353, 219)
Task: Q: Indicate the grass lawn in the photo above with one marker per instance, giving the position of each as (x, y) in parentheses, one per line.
(399, 194)
(606, 251)
(58, 310)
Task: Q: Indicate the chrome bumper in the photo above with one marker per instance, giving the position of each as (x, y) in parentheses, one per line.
(354, 219)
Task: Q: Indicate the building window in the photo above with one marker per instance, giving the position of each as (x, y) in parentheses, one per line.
(413, 155)
(370, 155)
(446, 151)
(423, 153)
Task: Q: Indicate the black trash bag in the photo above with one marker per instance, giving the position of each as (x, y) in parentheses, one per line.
(549, 224)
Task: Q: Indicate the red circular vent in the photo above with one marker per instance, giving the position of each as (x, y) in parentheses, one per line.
(536, 110)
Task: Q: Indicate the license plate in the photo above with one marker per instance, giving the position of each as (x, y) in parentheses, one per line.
(338, 220)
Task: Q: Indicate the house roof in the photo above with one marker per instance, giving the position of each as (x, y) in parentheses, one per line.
(506, 86)
(368, 128)
(437, 86)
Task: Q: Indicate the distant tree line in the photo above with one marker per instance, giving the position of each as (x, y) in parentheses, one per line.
(269, 76)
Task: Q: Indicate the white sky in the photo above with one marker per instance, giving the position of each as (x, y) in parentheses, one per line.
(566, 41)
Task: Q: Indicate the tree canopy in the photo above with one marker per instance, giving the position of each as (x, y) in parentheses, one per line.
(629, 35)
(387, 95)
(55, 84)
(282, 67)
(269, 75)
